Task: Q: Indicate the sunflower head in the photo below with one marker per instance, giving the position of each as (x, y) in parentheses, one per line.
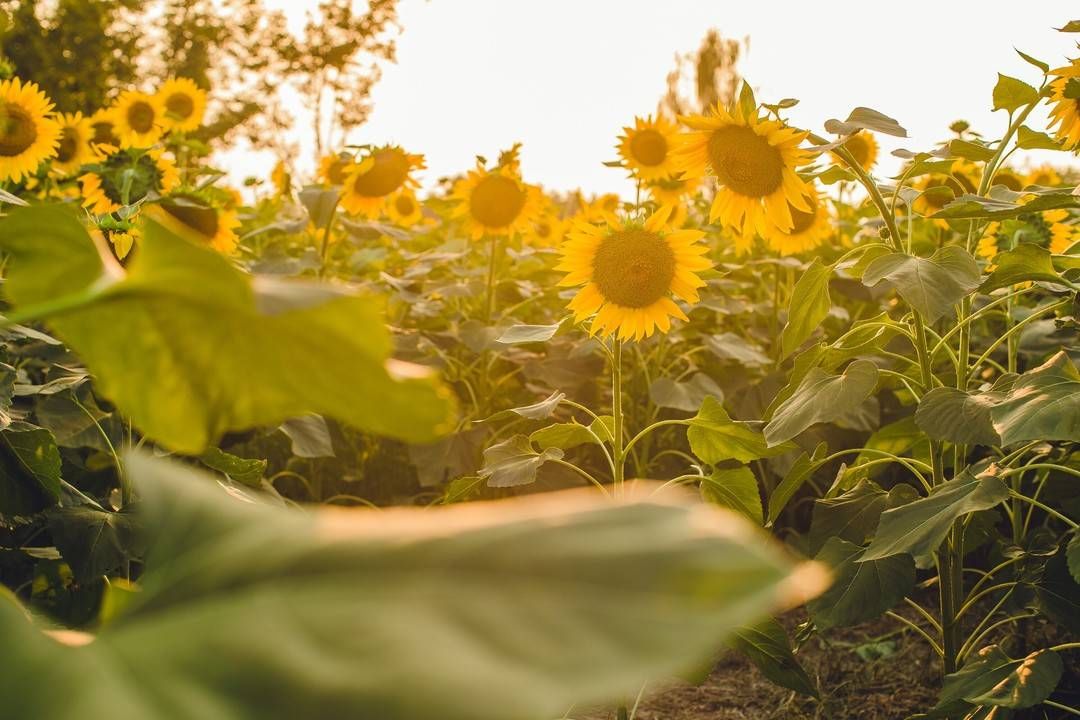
(1065, 104)
(334, 169)
(1009, 179)
(1044, 175)
(672, 190)
(281, 178)
(126, 177)
(192, 217)
(809, 231)
(74, 148)
(379, 174)
(494, 202)
(183, 104)
(547, 230)
(404, 209)
(140, 119)
(103, 137)
(988, 243)
(646, 148)
(28, 132)
(863, 147)
(630, 271)
(754, 162)
(938, 190)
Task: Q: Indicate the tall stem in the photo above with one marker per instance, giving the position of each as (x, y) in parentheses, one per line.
(489, 305)
(618, 451)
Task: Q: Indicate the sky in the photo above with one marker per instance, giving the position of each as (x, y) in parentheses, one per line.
(564, 76)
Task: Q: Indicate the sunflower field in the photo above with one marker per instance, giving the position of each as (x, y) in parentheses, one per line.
(781, 435)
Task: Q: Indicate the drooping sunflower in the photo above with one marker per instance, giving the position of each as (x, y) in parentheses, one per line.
(74, 148)
(141, 173)
(28, 132)
(494, 202)
(863, 147)
(183, 104)
(1065, 104)
(404, 209)
(334, 169)
(190, 216)
(103, 137)
(629, 271)
(1044, 175)
(140, 119)
(646, 147)
(810, 229)
(754, 162)
(378, 175)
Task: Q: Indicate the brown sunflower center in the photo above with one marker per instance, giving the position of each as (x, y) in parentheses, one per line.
(404, 204)
(543, 229)
(104, 133)
(859, 149)
(180, 105)
(634, 268)
(496, 201)
(801, 221)
(389, 172)
(649, 147)
(1009, 180)
(745, 162)
(17, 130)
(200, 218)
(69, 145)
(140, 116)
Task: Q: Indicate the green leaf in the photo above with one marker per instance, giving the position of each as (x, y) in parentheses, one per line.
(1070, 27)
(933, 285)
(861, 590)
(733, 347)
(1010, 93)
(1072, 556)
(1033, 61)
(903, 438)
(958, 417)
(309, 436)
(919, 528)
(95, 541)
(822, 397)
(1026, 262)
(992, 678)
(521, 334)
(479, 612)
(1059, 592)
(253, 352)
(29, 469)
(714, 437)
(537, 411)
(735, 488)
(1043, 404)
(242, 470)
(852, 515)
(1028, 139)
(514, 462)
(1005, 206)
(974, 151)
(864, 118)
(801, 469)
(562, 436)
(810, 304)
(687, 395)
(768, 647)
(747, 102)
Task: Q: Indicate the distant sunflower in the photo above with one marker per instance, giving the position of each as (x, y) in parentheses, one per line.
(28, 133)
(547, 231)
(281, 178)
(377, 176)
(988, 243)
(629, 271)
(603, 208)
(863, 147)
(810, 229)
(494, 202)
(937, 191)
(103, 131)
(140, 119)
(404, 209)
(754, 162)
(334, 169)
(646, 147)
(103, 186)
(1044, 175)
(1062, 234)
(1065, 104)
(672, 190)
(74, 148)
(191, 217)
(183, 103)
(1009, 179)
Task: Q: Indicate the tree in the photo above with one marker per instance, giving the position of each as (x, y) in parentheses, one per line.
(711, 72)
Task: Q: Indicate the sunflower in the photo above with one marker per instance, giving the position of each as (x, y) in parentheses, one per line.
(189, 216)
(754, 163)
(183, 104)
(646, 147)
(1011, 180)
(140, 119)
(28, 133)
(334, 169)
(937, 191)
(672, 190)
(103, 137)
(74, 149)
(404, 209)
(988, 243)
(810, 229)
(1044, 175)
(1062, 234)
(1065, 99)
(863, 147)
(547, 230)
(380, 174)
(281, 178)
(103, 186)
(603, 208)
(630, 271)
(494, 202)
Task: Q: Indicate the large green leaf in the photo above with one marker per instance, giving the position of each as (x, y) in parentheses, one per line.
(822, 397)
(918, 528)
(735, 488)
(864, 118)
(1059, 592)
(810, 304)
(767, 645)
(993, 678)
(953, 415)
(862, 590)
(514, 462)
(1006, 204)
(1010, 93)
(684, 395)
(507, 611)
(1043, 404)
(1026, 262)
(189, 347)
(932, 285)
(29, 469)
(852, 515)
(95, 541)
(801, 470)
(714, 437)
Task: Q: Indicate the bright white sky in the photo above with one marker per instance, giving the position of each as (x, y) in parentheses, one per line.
(564, 76)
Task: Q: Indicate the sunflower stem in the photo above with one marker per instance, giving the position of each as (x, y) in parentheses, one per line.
(489, 304)
(618, 451)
